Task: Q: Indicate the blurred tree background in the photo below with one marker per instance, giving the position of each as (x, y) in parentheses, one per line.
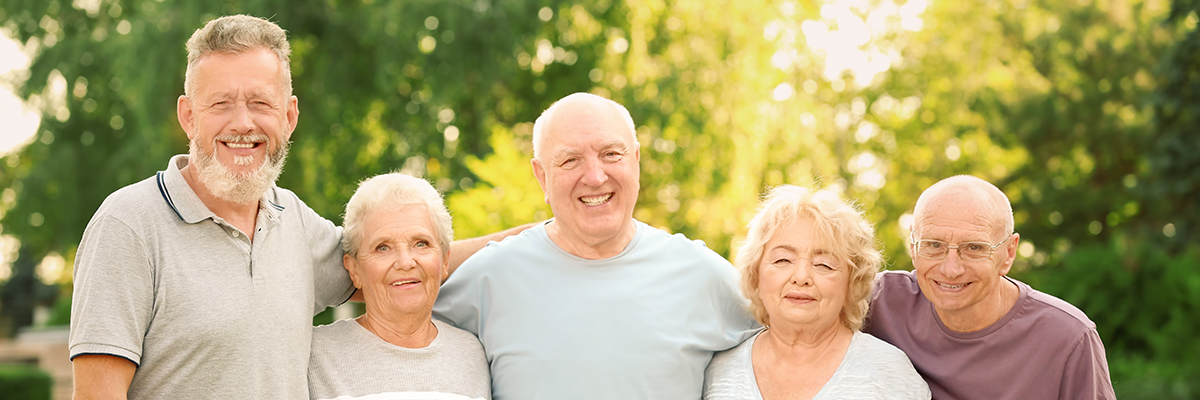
(1082, 111)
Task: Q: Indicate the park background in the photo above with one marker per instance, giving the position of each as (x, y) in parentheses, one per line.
(1083, 112)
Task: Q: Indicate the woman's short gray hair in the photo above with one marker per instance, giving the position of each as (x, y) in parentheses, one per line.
(235, 34)
(839, 225)
(394, 190)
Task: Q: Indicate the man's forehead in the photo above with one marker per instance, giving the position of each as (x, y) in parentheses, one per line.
(588, 125)
(579, 142)
(959, 215)
(226, 73)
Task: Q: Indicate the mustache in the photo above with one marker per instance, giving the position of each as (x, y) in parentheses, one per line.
(249, 137)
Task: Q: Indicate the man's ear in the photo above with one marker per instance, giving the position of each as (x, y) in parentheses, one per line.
(1010, 254)
(351, 266)
(540, 174)
(184, 110)
(293, 116)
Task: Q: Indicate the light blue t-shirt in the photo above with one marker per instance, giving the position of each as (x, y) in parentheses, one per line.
(640, 325)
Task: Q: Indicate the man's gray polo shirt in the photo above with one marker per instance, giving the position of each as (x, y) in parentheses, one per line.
(204, 312)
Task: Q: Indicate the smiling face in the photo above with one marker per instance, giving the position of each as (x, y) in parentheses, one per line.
(961, 289)
(588, 169)
(399, 265)
(801, 285)
(239, 117)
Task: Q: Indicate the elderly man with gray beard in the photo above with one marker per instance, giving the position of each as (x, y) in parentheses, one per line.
(202, 280)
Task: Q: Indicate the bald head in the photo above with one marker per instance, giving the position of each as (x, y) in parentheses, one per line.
(580, 108)
(964, 192)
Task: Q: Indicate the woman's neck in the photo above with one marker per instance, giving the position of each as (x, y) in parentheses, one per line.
(802, 347)
(408, 333)
(796, 364)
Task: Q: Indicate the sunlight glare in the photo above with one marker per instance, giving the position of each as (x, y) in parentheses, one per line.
(854, 44)
(783, 92)
(20, 120)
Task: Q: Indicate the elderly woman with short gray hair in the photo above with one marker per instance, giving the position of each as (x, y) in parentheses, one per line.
(397, 238)
(807, 266)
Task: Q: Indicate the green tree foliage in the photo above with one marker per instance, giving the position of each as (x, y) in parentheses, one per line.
(1081, 111)
(1175, 156)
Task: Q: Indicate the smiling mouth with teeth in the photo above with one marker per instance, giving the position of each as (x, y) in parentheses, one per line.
(950, 286)
(595, 200)
(241, 145)
(401, 283)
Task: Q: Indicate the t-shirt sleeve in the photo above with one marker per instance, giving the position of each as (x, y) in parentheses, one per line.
(331, 283)
(1086, 374)
(113, 298)
(462, 299)
(732, 308)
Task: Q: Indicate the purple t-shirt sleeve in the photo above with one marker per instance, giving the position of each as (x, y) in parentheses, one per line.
(1086, 373)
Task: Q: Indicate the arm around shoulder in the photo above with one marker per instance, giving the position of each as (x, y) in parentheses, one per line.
(101, 376)
(462, 249)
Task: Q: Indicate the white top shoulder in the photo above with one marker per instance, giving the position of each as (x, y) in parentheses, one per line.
(871, 369)
(350, 362)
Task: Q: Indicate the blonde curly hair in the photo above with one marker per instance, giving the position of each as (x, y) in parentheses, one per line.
(840, 225)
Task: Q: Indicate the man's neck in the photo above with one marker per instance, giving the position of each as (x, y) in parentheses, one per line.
(594, 249)
(243, 216)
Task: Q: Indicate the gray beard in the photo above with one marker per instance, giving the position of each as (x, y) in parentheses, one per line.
(234, 187)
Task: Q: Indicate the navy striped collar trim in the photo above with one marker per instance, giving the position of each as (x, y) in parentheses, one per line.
(166, 195)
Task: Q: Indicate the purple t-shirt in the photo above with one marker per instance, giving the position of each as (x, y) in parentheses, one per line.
(1043, 348)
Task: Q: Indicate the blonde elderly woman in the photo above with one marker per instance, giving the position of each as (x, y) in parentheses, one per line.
(396, 241)
(807, 267)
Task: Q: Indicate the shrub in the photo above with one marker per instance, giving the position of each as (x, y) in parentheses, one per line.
(23, 382)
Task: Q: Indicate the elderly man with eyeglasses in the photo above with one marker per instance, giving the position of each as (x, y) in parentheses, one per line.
(971, 331)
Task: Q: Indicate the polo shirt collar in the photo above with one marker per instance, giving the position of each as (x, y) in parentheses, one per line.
(181, 198)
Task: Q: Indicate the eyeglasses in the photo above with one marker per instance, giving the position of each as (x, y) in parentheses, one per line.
(974, 251)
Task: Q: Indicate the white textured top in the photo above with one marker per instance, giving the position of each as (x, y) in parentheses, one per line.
(350, 362)
(871, 369)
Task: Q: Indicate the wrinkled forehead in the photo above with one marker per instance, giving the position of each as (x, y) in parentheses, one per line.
(221, 67)
(806, 233)
(965, 204)
(587, 123)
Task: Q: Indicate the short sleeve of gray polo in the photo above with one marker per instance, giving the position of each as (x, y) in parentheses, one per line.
(113, 300)
(331, 283)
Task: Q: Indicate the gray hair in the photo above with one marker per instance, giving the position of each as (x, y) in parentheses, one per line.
(235, 34)
(539, 125)
(998, 207)
(394, 190)
(838, 225)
